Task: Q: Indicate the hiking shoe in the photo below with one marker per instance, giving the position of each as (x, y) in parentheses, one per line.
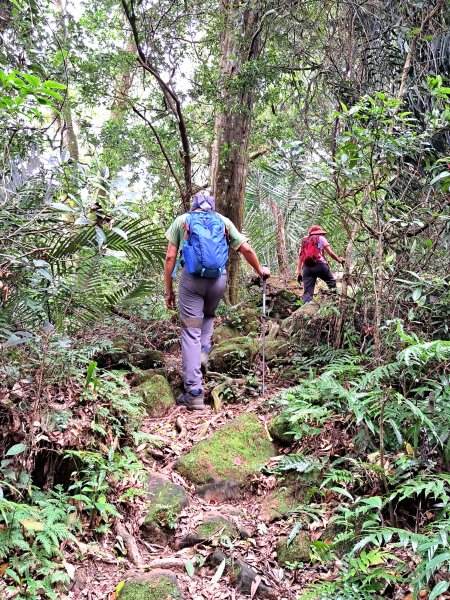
(204, 357)
(191, 401)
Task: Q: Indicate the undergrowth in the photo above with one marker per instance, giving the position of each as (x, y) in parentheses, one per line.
(390, 484)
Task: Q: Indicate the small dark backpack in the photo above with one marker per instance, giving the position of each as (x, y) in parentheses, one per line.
(311, 250)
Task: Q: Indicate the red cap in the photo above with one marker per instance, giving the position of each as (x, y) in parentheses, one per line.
(316, 230)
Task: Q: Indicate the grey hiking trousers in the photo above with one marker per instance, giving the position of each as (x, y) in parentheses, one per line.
(198, 299)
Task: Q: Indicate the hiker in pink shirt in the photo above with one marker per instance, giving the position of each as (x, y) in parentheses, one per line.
(312, 263)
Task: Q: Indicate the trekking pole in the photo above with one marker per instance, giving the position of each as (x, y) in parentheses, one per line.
(263, 336)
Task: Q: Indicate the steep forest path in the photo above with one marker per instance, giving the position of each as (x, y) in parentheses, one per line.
(216, 515)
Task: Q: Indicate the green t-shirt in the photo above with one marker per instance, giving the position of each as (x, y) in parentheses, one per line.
(175, 233)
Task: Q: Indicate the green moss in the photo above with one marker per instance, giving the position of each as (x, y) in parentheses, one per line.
(122, 344)
(157, 394)
(276, 349)
(298, 489)
(278, 427)
(297, 551)
(339, 548)
(222, 333)
(234, 355)
(278, 504)
(233, 452)
(165, 506)
(148, 359)
(141, 376)
(246, 320)
(156, 588)
(211, 526)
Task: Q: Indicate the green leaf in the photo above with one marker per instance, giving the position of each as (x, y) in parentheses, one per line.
(51, 93)
(218, 574)
(123, 234)
(190, 569)
(435, 562)
(46, 274)
(342, 491)
(61, 206)
(53, 85)
(32, 524)
(120, 254)
(100, 236)
(417, 294)
(82, 498)
(293, 533)
(119, 586)
(84, 221)
(32, 79)
(16, 449)
(439, 589)
(443, 175)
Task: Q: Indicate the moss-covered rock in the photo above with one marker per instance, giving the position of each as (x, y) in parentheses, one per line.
(282, 296)
(141, 376)
(157, 394)
(297, 551)
(295, 490)
(303, 321)
(122, 343)
(158, 585)
(209, 530)
(165, 501)
(114, 359)
(277, 351)
(234, 355)
(278, 428)
(278, 504)
(246, 320)
(148, 359)
(224, 332)
(234, 452)
(211, 526)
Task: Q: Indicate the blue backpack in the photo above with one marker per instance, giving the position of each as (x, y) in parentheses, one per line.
(205, 245)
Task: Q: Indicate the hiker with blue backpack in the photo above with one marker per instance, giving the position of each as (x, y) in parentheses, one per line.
(313, 265)
(203, 238)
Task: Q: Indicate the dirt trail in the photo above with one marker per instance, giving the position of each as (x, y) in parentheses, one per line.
(177, 432)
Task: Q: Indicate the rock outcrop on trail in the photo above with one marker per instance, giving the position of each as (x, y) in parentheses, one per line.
(158, 585)
(233, 453)
(157, 394)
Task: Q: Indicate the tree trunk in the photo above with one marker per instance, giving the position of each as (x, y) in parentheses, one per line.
(123, 86)
(339, 327)
(69, 139)
(229, 166)
(283, 262)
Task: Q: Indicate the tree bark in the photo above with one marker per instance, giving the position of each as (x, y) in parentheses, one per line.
(240, 44)
(123, 86)
(283, 262)
(69, 140)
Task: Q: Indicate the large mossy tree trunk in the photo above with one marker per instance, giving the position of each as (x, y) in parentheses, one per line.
(240, 45)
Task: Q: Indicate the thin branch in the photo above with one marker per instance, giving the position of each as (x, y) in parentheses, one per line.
(172, 100)
(161, 146)
(412, 47)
